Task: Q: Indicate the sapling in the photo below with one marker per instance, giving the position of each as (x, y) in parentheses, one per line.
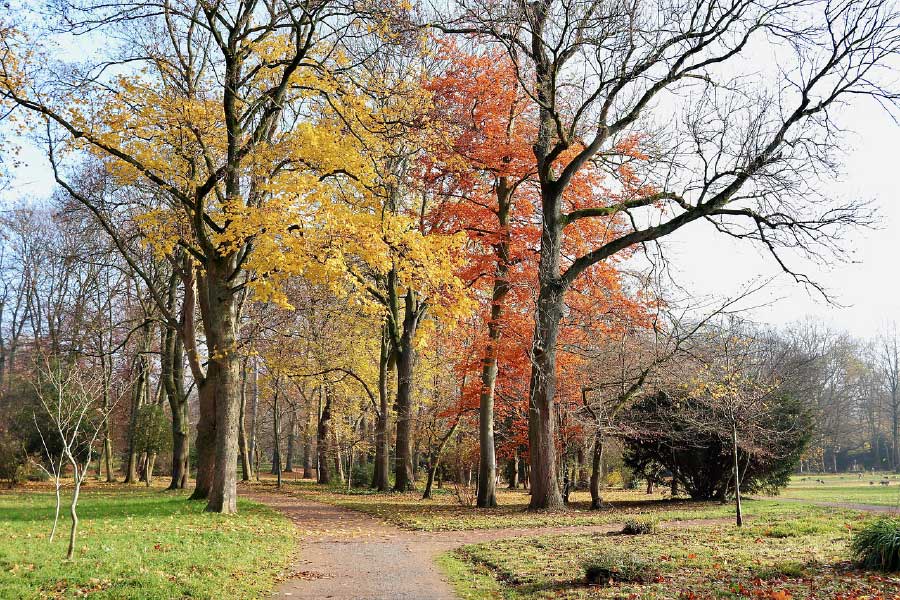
(76, 416)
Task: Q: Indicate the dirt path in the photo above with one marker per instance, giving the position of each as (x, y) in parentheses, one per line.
(347, 554)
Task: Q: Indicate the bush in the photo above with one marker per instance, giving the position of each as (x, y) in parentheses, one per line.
(614, 479)
(877, 545)
(12, 460)
(658, 425)
(619, 567)
(640, 526)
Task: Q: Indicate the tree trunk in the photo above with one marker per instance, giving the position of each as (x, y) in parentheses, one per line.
(597, 471)
(514, 471)
(541, 422)
(292, 434)
(172, 375)
(138, 391)
(406, 356)
(70, 551)
(487, 467)
(219, 310)
(243, 448)
(276, 456)
(338, 456)
(206, 433)
(322, 435)
(307, 447)
(895, 433)
(148, 472)
(434, 459)
(380, 474)
(739, 514)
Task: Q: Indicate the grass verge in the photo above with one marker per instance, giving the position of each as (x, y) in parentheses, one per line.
(762, 560)
(134, 543)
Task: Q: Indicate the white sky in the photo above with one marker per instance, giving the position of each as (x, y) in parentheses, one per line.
(708, 263)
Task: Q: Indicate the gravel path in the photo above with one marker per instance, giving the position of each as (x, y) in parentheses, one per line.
(347, 554)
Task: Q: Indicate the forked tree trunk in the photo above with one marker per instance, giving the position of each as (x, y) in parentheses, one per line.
(434, 460)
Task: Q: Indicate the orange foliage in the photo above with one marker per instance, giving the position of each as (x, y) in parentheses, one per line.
(490, 125)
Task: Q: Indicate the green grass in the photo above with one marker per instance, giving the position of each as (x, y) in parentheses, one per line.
(444, 513)
(136, 543)
(701, 561)
(845, 488)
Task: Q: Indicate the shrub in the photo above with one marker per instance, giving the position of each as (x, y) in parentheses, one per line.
(658, 424)
(614, 479)
(877, 545)
(12, 460)
(619, 567)
(640, 526)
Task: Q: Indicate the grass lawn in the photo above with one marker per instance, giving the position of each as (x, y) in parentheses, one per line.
(849, 488)
(139, 543)
(444, 512)
(803, 557)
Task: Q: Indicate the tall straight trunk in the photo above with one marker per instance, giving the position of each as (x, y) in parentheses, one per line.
(895, 433)
(307, 447)
(596, 471)
(322, 435)
(206, 433)
(107, 449)
(739, 514)
(292, 435)
(338, 456)
(172, 375)
(487, 465)
(380, 473)
(242, 433)
(513, 471)
(545, 492)
(219, 309)
(276, 456)
(405, 353)
(138, 393)
(254, 447)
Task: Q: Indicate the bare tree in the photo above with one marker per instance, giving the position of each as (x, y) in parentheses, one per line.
(71, 399)
(743, 158)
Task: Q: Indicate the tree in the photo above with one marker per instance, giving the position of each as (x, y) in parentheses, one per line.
(744, 152)
(70, 401)
(209, 126)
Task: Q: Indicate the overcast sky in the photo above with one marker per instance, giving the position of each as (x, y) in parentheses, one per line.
(868, 288)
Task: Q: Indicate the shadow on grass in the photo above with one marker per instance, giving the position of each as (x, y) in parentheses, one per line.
(120, 503)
